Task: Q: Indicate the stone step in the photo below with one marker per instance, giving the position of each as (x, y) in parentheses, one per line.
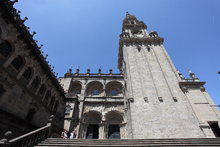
(87, 140)
(59, 142)
(54, 139)
(145, 145)
(211, 142)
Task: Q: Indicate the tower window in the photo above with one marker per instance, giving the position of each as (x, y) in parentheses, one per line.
(95, 92)
(27, 74)
(17, 62)
(5, 49)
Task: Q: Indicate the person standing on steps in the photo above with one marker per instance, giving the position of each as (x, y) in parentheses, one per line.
(64, 134)
(73, 134)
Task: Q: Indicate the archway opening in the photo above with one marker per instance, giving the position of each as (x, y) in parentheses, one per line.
(92, 131)
(114, 119)
(92, 120)
(113, 132)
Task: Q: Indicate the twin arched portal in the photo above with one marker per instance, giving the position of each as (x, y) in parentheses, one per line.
(94, 122)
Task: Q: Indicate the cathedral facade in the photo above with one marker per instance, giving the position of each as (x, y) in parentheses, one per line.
(149, 98)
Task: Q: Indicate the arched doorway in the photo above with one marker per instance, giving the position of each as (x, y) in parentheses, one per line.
(114, 119)
(91, 120)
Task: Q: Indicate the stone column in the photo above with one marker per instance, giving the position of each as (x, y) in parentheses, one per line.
(122, 130)
(102, 130)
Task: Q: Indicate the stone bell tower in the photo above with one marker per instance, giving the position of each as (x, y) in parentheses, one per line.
(156, 105)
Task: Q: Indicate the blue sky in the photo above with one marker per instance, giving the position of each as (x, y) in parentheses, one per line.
(85, 33)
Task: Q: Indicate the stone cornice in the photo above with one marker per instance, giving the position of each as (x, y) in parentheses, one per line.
(197, 83)
(136, 40)
(133, 26)
(185, 85)
(94, 75)
(143, 40)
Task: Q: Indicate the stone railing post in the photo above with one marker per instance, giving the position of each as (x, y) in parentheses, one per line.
(50, 123)
(5, 140)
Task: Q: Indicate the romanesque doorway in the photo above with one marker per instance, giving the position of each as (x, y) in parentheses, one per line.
(114, 119)
(113, 132)
(90, 126)
(92, 132)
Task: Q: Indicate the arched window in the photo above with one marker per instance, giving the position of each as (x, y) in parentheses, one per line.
(94, 88)
(17, 63)
(114, 88)
(67, 109)
(47, 97)
(114, 92)
(95, 92)
(5, 48)
(42, 89)
(75, 88)
(27, 74)
(35, 82)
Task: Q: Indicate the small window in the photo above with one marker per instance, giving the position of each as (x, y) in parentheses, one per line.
(42, 89)
(5, 49)
(35, 82)
(132, 22)
(95, 92)
(113, 92)
(27, 73)
(67, 109)
(17, 62)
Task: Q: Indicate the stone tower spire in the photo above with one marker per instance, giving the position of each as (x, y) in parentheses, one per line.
(153, 96)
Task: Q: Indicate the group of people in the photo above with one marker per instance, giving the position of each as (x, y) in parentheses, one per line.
(71, 135)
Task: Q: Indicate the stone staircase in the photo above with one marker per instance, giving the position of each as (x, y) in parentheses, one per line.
(59, 142)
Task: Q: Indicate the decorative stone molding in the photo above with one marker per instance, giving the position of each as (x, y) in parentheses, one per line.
(131, 100)
(136, 41)
(160, 99)
(146, 99)
(185, 85)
